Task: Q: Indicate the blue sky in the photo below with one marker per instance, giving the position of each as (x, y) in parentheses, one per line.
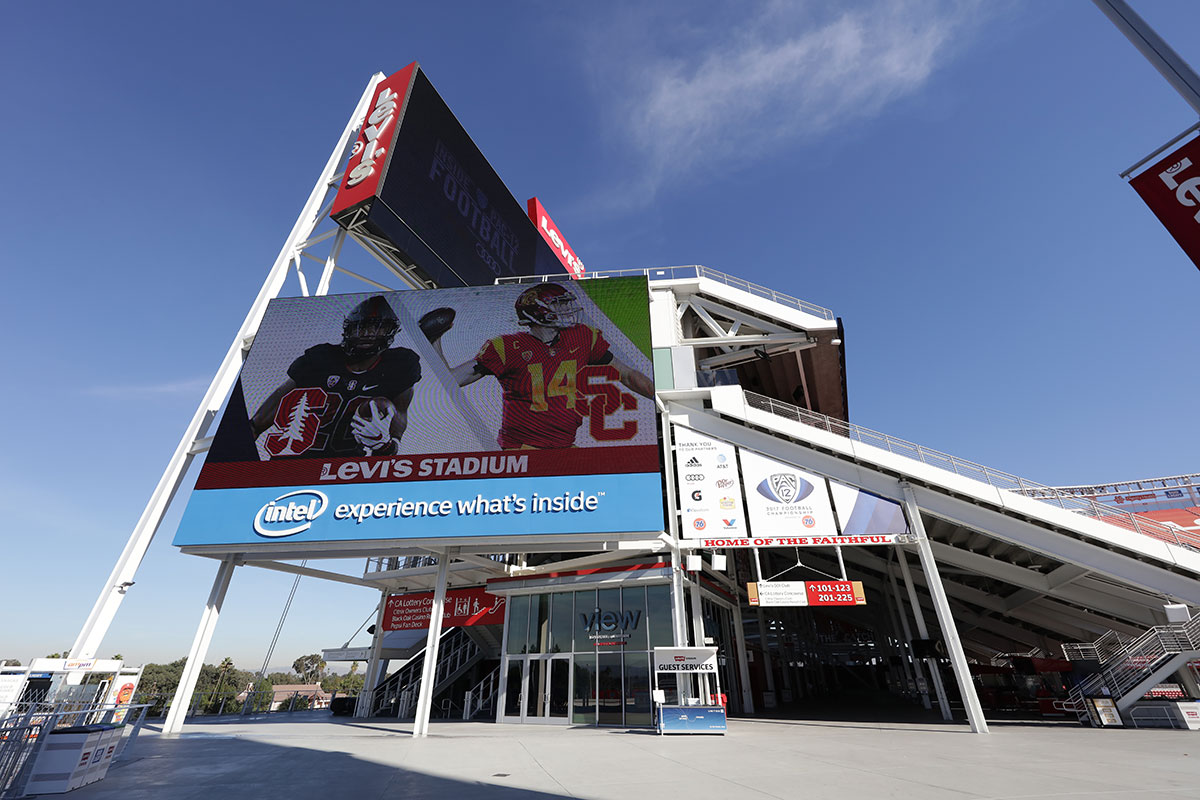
(942, 175)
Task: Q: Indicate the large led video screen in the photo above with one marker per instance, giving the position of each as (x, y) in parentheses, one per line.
(417, 179)
(520, 409)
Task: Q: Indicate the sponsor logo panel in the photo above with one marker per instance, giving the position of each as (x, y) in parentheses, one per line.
(707, 470)
(785, 500)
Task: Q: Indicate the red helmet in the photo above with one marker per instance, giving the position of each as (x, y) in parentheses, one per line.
(548, 304)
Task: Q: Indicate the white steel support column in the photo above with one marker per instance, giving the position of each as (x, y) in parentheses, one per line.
(1162, 56)
(429, 668)
(922, 687)
(962, 673)
(764, 636)
(743, 662)
(96, 626)
(195, 658)
(897, 631)
(366, 698)
(935, 674)
(678, 619)
(698, 634)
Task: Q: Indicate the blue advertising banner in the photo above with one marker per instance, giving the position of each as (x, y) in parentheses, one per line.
(424, 510)
(691, 719)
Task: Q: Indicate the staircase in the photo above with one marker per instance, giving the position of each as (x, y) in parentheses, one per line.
(397, 695)
(1129, 668)
(480, 699)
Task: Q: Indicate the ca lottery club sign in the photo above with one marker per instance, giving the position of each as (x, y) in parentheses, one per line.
(462, 608)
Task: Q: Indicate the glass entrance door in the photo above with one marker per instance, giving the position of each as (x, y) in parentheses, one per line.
(537, 689)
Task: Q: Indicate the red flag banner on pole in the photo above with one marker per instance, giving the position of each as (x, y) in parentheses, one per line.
(1171, 188)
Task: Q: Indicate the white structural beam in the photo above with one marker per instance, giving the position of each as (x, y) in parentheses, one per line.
(922, 686)
(113, 592)
(1162, 56)
(195, 658)
(918, 613)
(429, 667)
(962, 672)
(1043, 528)
(366, 697)
(311, 572)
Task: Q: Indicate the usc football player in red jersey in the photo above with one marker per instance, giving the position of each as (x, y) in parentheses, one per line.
(539, 370)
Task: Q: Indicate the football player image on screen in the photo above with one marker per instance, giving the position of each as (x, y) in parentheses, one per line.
(347, 399)
(542, 371)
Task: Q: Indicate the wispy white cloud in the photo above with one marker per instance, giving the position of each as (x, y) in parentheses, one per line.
(192, 386)
(737, 94)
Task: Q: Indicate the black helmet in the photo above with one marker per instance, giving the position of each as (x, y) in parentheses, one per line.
(369, 328)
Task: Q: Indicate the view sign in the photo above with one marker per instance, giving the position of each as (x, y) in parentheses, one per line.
(1171, 188)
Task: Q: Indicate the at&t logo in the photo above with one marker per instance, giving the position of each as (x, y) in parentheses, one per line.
(279, 518)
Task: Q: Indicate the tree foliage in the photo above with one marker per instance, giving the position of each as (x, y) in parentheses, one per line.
(310, 668)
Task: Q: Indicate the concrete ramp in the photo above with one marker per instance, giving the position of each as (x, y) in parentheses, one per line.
(1014, 553)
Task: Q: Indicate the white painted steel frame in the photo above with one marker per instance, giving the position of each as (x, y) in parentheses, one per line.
(195, 657)
(105, 609)
(432, 640)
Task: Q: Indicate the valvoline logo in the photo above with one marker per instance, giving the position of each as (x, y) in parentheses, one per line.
(290, 514)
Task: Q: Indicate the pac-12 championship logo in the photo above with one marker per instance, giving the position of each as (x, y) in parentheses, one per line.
(290, 514)
(784, 487)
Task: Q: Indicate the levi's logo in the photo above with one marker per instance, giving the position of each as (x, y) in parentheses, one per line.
(1188, 192)
(382, 116)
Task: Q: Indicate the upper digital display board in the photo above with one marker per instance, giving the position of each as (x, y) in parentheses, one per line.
(482, 411)
(416, 179)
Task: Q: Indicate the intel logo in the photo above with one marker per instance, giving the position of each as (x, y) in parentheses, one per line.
(279, 517)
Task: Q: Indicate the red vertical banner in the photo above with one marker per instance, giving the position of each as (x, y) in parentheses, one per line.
(1171, 188)
(369, 158)
(554, 238)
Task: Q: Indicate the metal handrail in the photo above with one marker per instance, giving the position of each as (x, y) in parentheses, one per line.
(969, 469)
(1131, 662)
(481, 695)
(692, 271)
(455, 651)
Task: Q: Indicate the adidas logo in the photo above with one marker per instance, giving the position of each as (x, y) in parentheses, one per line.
(692, 462)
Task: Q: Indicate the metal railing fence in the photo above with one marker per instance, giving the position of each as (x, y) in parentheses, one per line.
(23, 736)
(692, 271)
(481, 696)
(969, 469)
(1125, 664)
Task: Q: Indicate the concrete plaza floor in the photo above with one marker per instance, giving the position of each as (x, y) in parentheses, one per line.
(314, 755)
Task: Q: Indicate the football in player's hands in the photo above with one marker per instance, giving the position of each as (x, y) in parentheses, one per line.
(372, 424)
(435, 323)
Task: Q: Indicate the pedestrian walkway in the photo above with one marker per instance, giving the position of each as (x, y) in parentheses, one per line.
(313, 755)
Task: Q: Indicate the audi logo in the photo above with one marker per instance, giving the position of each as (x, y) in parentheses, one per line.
(694, 476)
